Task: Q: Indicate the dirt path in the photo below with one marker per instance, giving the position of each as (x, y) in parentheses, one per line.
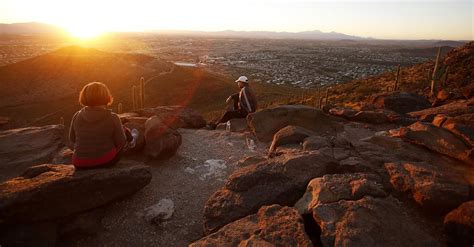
(188, 180)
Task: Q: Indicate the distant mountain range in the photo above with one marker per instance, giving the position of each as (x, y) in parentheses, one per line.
(41, 28)
(316, 35)
(29, 28)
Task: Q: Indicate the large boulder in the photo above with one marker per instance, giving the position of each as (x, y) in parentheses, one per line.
(49, 192)
(371, 117)
(175, 116)
(289, 135)
(161, 140)
(435, 188)
(237, 125)
(437, 139)
(343, 112)
(271, 226)
(453, 109)
(354, 210)
(333, 188)
(462, 125)
(281, 180)
(401, 102)
(459, 225)
(369, 222)
(315, 143)
(21, 148)
(267, 122)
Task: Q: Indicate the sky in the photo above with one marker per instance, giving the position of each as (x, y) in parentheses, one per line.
(385, 19)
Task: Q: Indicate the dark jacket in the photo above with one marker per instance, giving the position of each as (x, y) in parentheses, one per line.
(95, 131)
(247, 100)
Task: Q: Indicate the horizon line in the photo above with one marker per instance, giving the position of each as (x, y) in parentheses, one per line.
(177, 31)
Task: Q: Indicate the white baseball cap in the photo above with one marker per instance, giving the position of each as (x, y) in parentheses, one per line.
(242, 79)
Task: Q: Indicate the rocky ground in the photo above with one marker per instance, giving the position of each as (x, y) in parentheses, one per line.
(201, 165)
(397, 169)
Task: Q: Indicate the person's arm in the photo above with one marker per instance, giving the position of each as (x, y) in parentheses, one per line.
(72, 133)
(119, 135)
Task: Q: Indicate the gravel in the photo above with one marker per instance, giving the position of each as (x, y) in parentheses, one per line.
(201, 165)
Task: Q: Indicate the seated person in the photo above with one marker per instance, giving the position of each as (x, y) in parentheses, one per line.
(243, 103)
(96, 132)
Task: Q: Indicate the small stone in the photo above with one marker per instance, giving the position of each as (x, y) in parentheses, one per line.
(160, 212)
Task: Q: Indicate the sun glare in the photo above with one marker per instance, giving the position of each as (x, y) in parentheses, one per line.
(85, 32)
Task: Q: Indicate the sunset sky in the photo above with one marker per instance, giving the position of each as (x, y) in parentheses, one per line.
(386, 19)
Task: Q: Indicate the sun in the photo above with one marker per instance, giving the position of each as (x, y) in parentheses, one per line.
(85, 31)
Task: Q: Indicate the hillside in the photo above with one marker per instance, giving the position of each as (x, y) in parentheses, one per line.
(64, 71)
(42, 89)
(415, 79)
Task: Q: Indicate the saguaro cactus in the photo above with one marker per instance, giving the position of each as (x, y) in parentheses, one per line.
(134, 97)
(318, 95)
(435, 72)
(397, 79)
(446, 75)
(119, 108)
(321, 102)
(142, 92)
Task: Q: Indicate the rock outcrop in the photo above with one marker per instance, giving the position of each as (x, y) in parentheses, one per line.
(271, 226)
(459, 225)
(372, 117)
(281, 181)
(49, 202)
(161, 141)
(437, 139)
(462, 125)
(333, 188)
(433, 187)
(289, 135)
(369, 222)
(21, 148)
(452, 109)
(401, 102)
(267, 122)
(48, 192)
(355, 210)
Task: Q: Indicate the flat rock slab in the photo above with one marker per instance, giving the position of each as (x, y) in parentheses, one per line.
(20, 148)
(271, 226)
(48, 192)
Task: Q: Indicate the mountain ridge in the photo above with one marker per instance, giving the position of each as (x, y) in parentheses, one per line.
(30, 28)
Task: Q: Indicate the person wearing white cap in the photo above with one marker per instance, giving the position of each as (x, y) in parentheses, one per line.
(243, 103)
